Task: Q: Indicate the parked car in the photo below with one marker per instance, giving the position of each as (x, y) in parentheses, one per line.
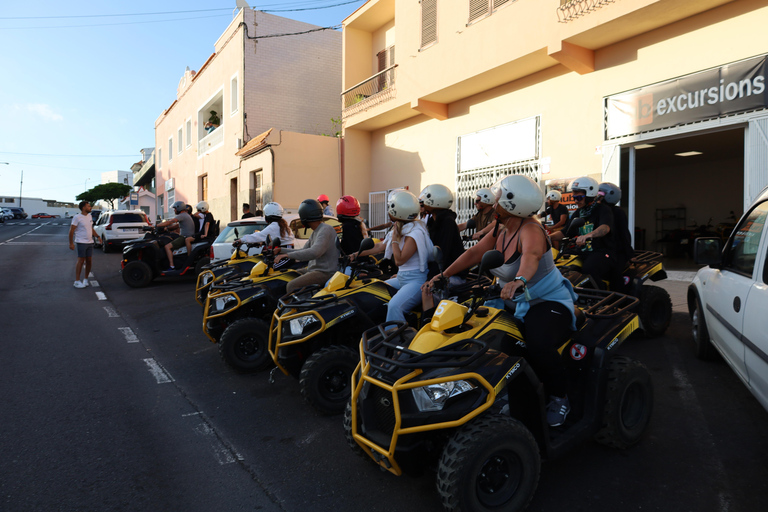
(18, 213)
(6, 214)
(222, 247)
(118, 227)
(95, 214)
(727, 299)
(44, 216)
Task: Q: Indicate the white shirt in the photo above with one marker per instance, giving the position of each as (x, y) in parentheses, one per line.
(83, 228)
(273, 230)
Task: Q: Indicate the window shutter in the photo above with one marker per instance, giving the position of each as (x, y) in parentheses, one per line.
(478, 9)
(428, 22)
(499, 3)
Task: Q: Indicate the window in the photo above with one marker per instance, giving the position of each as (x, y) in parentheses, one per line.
(160, 206)
(254, 190)
(746, 242)
(178, 141)
(428, 22)
(481, 8)
(159, 158)
(204, 188)
(189, 132)
(233, 95)
(171, 196)
(170, 148)
(386, 59)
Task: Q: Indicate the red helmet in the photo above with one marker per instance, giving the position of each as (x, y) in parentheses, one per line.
(322, 198)
(348, 206)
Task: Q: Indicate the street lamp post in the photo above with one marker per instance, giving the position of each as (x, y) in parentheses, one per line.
(85, 186)
(21, 184)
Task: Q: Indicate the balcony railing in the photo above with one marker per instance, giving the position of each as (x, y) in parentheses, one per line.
(210, 141)
(372, 91)
(569, 10)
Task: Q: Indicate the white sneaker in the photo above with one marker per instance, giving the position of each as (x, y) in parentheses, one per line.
(85, 283)
(79, 284)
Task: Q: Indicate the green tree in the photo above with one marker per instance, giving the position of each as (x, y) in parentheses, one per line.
(107, 192)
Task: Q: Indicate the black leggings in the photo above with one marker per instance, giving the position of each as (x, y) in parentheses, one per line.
(600, 266)
(547, 326)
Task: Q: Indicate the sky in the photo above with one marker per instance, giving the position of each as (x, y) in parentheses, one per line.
(82, 82)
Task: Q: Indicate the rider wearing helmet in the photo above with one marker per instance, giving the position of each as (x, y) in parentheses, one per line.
(186, 229)
(352, 228)
(206, 221)
(277, 227)
(321, 251)
(324, 200)
(595, 237)
(442, 227)
(546, 308)
(409, 246)
(484, 217)
(557, 213)
(610, 194)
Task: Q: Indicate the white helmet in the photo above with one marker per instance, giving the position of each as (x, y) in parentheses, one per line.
(611, 192)
(485, 195)
(436, 196)
(393, 192)
(585, 183)
(554, 195)
(202, 206)
(273, 210)
(403, 205)
(518, 195)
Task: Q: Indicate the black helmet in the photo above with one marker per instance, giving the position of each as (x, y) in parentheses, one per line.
(310, 211)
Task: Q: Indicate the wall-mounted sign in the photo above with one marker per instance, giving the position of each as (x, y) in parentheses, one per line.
(709, 94)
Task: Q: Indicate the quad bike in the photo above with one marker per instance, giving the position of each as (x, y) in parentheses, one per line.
(655, 304)
(460, 393)
(238, 266)
(145, 259)
(235, 312)
(314, 334)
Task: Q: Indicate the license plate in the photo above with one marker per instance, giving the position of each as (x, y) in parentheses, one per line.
(130, 230)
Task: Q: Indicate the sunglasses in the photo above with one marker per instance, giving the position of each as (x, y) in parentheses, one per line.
(478, 200)
(579, 197)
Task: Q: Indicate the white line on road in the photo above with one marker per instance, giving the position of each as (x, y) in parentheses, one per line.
(111, 312)
(128, 334)
(222, 454)
(94, 283)
(101, 296)
(158, 372)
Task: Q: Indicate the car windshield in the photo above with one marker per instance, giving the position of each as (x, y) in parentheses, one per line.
(228, 233)
(128, 217)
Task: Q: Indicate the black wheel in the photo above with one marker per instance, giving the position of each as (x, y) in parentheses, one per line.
(348, 433)
(704, 349)
(628, 403)
(325, 378)
(243, 345)
(200, 264)
(655, 310)
(491, 463)
(137, 274)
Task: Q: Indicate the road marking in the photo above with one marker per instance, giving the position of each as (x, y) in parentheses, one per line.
(94, 283)
(101, 296)
(128, 334)
(222, 454)
(190, 414)
(111, 313)
(206, 349)
(11, 240)
(158, 372)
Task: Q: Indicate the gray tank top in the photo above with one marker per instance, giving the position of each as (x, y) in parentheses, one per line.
(508, 271)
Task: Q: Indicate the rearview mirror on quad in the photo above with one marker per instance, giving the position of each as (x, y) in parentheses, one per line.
(491, 259)
(573, 227)
(275, 243)
(366, 245)
(471, 224)
(437, 255)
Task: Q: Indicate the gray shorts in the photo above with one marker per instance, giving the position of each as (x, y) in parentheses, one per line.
(84, 250)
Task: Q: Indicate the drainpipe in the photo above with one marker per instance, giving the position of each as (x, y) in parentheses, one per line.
(341, 163)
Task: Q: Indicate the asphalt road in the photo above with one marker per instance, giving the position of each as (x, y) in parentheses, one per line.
(114, 399)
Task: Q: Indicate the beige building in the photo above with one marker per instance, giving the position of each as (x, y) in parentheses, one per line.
(250, 84)
(666, 98)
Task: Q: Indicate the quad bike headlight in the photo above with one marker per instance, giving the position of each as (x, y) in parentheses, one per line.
(207, 277)
(433, 397)
(297, 325)
(223, 303)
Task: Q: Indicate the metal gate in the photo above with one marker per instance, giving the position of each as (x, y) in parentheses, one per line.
(377, 211)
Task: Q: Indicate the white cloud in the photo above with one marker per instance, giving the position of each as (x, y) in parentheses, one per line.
(42, 110)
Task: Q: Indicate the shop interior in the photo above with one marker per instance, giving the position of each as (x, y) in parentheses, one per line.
(686, 187)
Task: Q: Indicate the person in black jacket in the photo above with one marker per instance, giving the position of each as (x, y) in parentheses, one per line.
(443, 231)
(352, 228)
(610, 194)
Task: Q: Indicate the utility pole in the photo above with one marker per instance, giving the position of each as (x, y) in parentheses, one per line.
(21, 184)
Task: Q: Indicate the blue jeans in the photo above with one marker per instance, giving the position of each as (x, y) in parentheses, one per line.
(408, 296)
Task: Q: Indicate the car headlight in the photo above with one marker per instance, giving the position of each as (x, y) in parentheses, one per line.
(433, 396)
(223, 303)
(297, 325)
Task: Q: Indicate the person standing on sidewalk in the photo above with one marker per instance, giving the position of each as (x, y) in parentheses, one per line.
(81, 233)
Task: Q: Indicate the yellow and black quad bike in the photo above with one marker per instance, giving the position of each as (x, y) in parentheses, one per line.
(655, 309)
(460, 394)
(236, 313)
(237, 267)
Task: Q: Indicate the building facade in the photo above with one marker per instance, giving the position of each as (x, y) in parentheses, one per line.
(461, 92)
(251, 83)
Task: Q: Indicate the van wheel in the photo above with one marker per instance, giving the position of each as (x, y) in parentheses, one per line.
(243, 345)
(628, 403)
(326, 378)
(137, 274)
(491, 463)
(655, 310)
(704, 349)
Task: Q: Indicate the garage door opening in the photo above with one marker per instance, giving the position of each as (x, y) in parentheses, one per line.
(684, 188)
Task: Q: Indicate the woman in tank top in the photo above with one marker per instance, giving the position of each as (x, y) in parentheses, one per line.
(543, 298)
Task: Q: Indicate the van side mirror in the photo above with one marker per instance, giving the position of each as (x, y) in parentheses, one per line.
(707, 251)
